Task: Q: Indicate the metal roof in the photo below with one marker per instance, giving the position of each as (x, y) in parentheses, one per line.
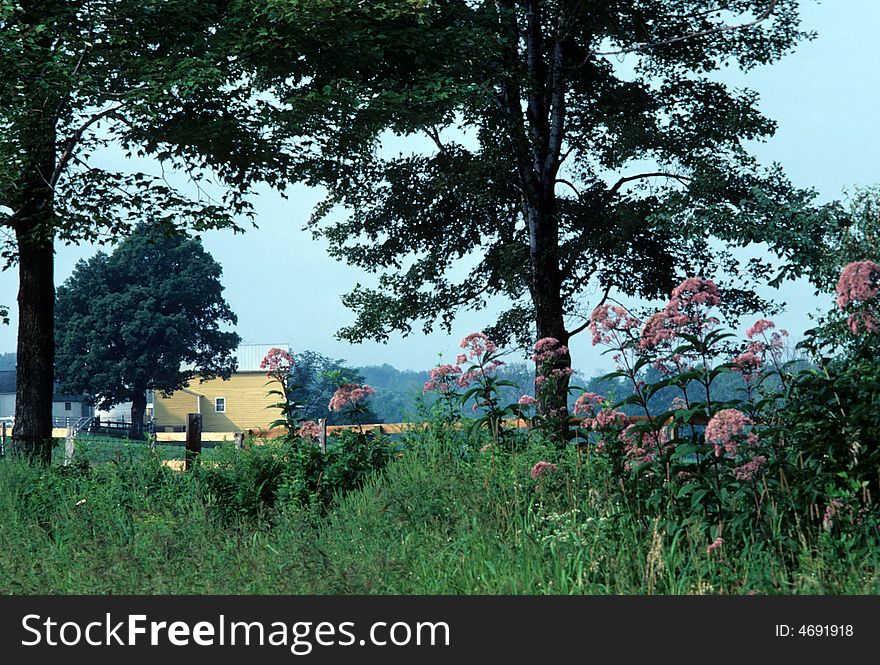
(251, 355)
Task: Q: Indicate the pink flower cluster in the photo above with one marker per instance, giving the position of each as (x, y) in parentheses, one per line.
(657, 331)
(588, 403)
(772, 343)
(716, 545)
(309, 430)
(554, 374)
(277, 362)
(748, 363)
(608, 321)
(683, 312)
(476, 373)
(598, 415)
(527, 400)
(476, 345)
(548, 349)
(674, 363)
(549, 355)
(542, 468)
(832, 511)
(759, 327)
(561, 412)
(725, 430)
(858, 283)
(442, 378)
(350, 394)
(643, 447)
(694, 291)
(863, 321)
(605, 419)
(750, 469)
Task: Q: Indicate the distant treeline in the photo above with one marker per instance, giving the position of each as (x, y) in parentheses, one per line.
(398, 391)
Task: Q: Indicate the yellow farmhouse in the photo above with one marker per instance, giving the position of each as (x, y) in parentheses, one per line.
(237, 404)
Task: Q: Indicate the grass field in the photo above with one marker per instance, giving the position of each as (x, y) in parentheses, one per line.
(441, 519)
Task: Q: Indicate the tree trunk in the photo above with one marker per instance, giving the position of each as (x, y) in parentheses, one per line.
(34, 225)
(138, 409)
(537, 141)
(32, 434)
(546, 293)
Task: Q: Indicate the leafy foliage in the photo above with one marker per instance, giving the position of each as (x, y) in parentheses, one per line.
(148, 316)
(151, 78)
(262, 481)
(107, 73)
(536, 145)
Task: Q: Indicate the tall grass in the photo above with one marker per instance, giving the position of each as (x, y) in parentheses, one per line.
(437, 524)
(441, 519)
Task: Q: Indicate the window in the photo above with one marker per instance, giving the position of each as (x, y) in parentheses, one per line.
(68, 406)
(220, 404)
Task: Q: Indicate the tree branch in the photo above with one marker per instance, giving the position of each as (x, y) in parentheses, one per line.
(557, 104)
(579, 329)
(586, 324)
(509, 100)
(434, 135)
(701, 33)
(656, 174)
(72, 141)
(562, 181)
(537, 111)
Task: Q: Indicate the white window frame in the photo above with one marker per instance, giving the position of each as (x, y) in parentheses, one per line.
(216, 400)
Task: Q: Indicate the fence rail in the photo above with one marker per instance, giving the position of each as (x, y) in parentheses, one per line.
(194, 440)
(179, 438)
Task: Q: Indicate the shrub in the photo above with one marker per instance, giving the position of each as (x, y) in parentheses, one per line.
(260, 480)
(786, 451)
(315, 477)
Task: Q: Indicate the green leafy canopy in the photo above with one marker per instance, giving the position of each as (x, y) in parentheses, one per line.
(148, 316)
(151, 78)
(575, 148)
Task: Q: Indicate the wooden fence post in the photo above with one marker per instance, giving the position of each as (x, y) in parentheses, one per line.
(3, 441)
(193, 439)
(322, 437)
(238, 438)
(69, 445)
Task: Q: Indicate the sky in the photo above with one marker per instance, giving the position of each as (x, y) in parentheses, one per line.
(285, 288)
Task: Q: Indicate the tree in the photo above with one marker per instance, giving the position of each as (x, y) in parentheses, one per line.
(857, 238)
(149, 316)
(576, 149)
(311, 372)
(148, 77)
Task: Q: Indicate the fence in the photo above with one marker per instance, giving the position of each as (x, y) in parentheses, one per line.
(194, 439)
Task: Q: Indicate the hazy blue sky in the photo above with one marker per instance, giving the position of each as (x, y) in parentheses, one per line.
(825, 98)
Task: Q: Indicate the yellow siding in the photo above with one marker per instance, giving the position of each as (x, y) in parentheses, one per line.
(246, 404)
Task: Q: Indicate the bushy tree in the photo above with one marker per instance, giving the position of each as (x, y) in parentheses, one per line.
(575, 148)
(148, 77)
(855, 238)
(318, 377)
(148, 316)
